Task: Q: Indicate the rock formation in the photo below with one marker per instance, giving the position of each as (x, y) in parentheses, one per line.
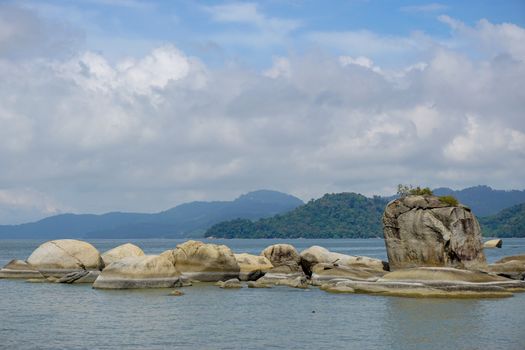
(321, 273)
(319, 255)
(510, 267)
(20, 269)
(424, 231)
(149, 271)
(122, 251)
(233, 283)
(252, 267)
(204, 262)
(493, 243)
(60, 257)
(282, 254)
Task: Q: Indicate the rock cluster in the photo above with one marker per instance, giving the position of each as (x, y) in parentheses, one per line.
(434, 250)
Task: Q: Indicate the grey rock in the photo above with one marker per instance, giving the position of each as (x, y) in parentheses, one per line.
(422, 231)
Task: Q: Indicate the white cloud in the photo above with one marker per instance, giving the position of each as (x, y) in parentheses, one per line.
(22, 204)
(492, 39)
(259, 30)
(281, 68)
(147, 132)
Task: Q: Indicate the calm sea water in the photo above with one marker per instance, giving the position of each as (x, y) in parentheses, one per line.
(55, 316)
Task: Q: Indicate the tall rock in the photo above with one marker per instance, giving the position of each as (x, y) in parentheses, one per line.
(424, 231)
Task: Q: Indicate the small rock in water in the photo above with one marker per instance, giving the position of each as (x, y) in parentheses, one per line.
(177, 293)
(231, 283)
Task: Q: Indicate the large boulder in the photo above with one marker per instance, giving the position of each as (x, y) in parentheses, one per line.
(319, 255)
(203, 262)
(60, 257)
(20, 269)
(149, 271)
(425, 231)
(282, 254)
(252, 266)
(120, 252)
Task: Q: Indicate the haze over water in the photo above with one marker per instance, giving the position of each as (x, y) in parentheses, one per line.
(51, 316)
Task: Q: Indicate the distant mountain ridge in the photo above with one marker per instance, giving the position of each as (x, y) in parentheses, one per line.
(185, 220)
(509, 222)
(483, 200)
(340, 215)
(351, 215)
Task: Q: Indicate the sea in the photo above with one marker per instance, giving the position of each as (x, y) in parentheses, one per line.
(60, 316)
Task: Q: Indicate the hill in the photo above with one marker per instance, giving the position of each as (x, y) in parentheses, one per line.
(342, 215)
(509, 222)
(189, 219)
(483, 200)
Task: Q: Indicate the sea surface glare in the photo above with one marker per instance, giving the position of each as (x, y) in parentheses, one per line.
(59, 316)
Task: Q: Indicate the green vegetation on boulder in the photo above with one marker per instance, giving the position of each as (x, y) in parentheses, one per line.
(509, 222)
(342, 215)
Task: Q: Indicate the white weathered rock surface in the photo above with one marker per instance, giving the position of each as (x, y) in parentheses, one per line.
(442, 274)
(284, 275)
(60, 257)
(319, 255)
(20, 269)
(423, 231)
(149, 271)
(204, 262)
(120, 252)
(252, 267)
(321, 273)
(418, 289)
(493, 243)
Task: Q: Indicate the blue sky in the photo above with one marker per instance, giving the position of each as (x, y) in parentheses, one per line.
(130, 27)
(138, 106)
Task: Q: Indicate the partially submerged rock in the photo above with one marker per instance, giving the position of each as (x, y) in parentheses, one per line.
(511, 258)
(252, 267)
(60, 257)
(442, 274)
(149, 271)
(417, 289)
(285, 275)
(326, 272)
(233, 283)
(424, 231)
(81, 276)
(20, 269)
(319, 255)
(120, 252)
(254, 284)
(511, 267)
(493, 243)
(204, 262)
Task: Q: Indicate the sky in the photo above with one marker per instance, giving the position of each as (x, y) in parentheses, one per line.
(128, 105)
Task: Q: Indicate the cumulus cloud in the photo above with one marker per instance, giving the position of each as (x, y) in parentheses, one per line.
(146, 133)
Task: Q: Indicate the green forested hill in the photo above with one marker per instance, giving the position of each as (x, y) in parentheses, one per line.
(341, 215)
(509, 222)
